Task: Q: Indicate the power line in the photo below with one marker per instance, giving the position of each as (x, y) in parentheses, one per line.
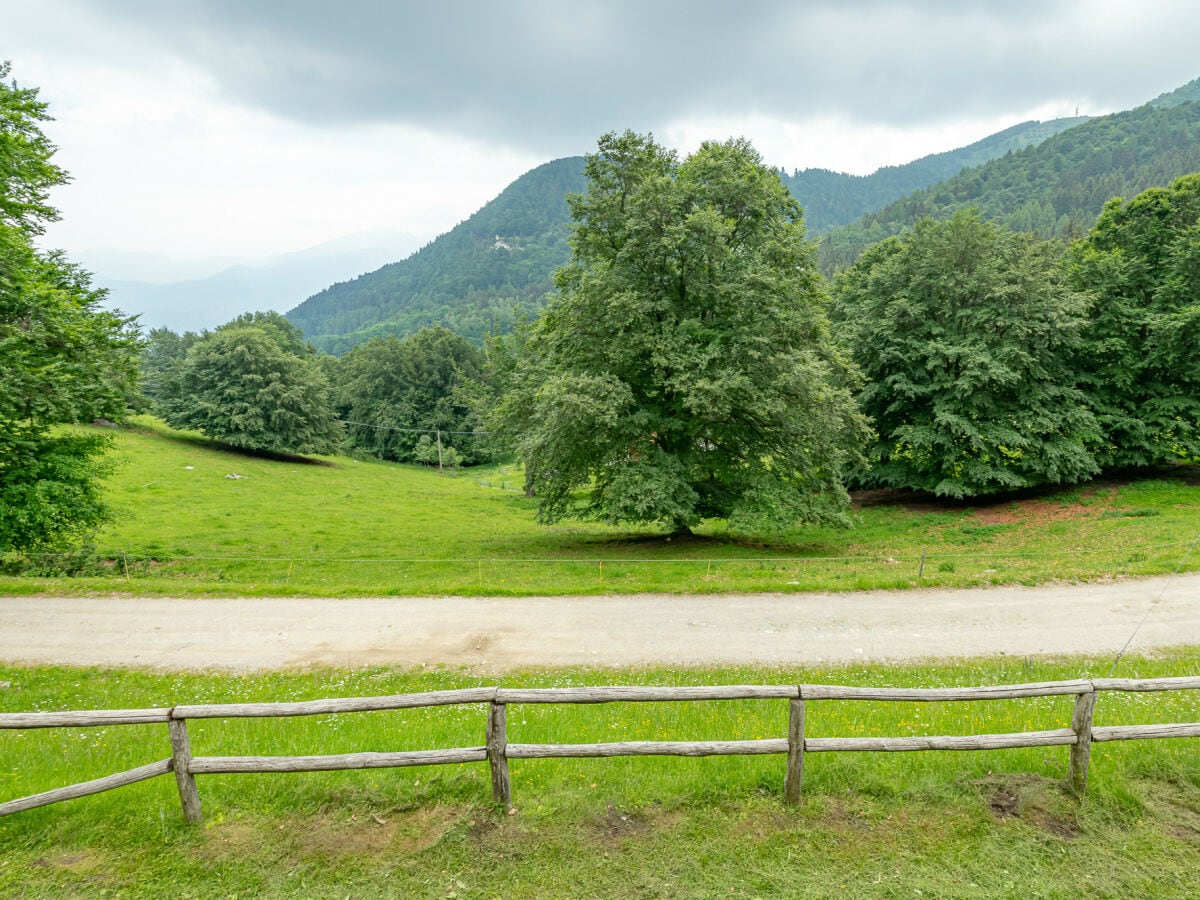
(1153, 603)
(411, 430)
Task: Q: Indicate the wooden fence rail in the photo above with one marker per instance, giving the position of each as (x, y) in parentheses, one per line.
(497, 751)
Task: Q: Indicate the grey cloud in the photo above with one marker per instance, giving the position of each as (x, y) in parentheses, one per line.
(550, 75)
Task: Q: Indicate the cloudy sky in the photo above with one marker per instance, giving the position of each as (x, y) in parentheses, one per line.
(198, 128)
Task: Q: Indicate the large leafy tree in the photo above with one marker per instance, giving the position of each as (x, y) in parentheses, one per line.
(162, 356)
(1141, 358)
(62, 359)
(503, 398)
(394, 394)
(965, 332)
(685, 370)
(252, 383)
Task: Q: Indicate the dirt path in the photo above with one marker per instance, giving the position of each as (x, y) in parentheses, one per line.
(494, 634)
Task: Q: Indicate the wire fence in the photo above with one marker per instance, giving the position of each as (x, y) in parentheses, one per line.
(949, 567)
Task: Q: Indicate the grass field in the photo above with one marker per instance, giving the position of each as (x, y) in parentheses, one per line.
(995, 823)
(341, 527)
(985, 824)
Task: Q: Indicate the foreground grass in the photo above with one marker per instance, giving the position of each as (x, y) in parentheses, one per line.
(346, 527)
(949, 824)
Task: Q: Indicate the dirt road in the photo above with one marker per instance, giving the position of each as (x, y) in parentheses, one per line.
(494, 634)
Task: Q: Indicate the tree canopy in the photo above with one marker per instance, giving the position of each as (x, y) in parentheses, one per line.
(965, 332)
(252, 383)
(685, 370)
(395, 394)
(1141, 359)
(62, 359)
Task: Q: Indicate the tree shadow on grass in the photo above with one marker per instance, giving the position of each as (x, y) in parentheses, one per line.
(692, 544)
(924, 501)
(202, 442)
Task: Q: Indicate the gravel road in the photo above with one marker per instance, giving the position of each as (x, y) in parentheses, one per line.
(495, 634)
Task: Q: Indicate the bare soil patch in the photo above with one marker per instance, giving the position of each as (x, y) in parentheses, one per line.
(1040, 512)
(1031, 507)
(331, 837)
(82, 863)
(1032, 798)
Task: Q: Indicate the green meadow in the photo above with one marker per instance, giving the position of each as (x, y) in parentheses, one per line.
(979, 823)
(994, 823)
(338, 526)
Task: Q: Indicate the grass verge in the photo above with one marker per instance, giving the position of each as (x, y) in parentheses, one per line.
(950, 824)
(185, 525)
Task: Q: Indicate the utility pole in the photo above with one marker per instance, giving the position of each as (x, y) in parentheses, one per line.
(439, 437)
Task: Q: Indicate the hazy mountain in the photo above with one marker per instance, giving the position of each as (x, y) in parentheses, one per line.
(1186, 94)
(191, 295)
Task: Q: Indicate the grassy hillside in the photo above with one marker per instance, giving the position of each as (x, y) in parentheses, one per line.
(966, 824)
(343, 527)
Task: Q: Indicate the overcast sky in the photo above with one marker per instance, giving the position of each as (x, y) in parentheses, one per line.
(197, 128)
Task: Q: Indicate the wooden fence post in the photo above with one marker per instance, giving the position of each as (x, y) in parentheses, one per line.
(181, 759)
(1081, 750)
(795, 756)
(497, 747)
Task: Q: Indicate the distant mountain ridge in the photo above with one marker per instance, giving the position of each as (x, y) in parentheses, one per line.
(497, 265)
(832, 199)
(1056, 187)
(165, 293)
(1185, 94)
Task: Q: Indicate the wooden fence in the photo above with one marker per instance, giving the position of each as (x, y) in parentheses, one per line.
(497, 751)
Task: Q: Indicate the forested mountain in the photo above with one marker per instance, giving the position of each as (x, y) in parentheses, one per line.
(831, 199)
(477, 277)
(1048, 177)
(1054, 188)
(498, 264)
(1185, 94)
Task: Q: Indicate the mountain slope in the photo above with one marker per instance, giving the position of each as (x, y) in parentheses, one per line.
(479, 275)
(1049, 177)
(1185, 94)
(1054, 188)
(832, 199)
